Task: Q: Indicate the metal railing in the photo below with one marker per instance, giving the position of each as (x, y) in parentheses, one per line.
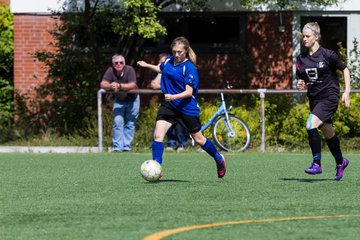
(261, 91)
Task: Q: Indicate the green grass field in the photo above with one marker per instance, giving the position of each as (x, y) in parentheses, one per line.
(102, 196)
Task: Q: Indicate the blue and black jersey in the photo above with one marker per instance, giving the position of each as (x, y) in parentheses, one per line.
(174, 78)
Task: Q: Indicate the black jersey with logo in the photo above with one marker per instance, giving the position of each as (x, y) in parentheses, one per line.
(319, 72)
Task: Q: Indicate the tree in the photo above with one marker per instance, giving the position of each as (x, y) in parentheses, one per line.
(88, 33)
(6, 70)
(286, 4)
(86, 36)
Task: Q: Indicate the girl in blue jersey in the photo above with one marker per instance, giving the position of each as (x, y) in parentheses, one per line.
(316, 72)
(179, 83)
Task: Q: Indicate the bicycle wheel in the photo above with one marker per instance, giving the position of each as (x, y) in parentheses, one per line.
(237, 140)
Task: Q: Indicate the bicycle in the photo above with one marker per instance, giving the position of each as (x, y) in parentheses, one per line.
(230, 133)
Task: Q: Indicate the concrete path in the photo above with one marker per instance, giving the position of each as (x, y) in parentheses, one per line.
(40, 149)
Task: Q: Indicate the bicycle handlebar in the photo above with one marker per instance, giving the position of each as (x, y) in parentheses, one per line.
(228, 86)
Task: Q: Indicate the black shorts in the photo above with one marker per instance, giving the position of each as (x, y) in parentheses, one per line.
(324, 108)
(171, 115)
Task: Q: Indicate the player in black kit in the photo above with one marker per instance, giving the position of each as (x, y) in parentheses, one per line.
(316, 72)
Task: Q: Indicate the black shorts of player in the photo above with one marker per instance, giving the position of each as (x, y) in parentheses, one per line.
(171, 115)
(325, 108)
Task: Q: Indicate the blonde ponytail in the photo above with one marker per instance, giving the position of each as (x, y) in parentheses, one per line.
(192, 55)
(182, 40)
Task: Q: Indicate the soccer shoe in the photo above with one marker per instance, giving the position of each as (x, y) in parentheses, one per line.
(221, 167)
(314, 169)
(180, 149)
(170, 149)
(340, 169)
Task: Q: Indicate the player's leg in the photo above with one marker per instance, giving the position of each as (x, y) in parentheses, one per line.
(328, 108)
(193, 125)
(333, 143)
(164, 120)
(312, 124)
(210, 148)
(161, 128)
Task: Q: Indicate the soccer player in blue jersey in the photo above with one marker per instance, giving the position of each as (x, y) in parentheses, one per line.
(179, 83)
(316, 72)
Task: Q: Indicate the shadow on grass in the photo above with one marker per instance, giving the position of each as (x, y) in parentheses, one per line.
(174, 180)
(307, 179)
(167, 180)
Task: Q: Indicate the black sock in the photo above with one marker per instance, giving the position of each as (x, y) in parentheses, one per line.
(315, 144)
(334, 146)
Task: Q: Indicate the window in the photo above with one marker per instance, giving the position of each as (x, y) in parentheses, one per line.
(206, 33)
(333, 30)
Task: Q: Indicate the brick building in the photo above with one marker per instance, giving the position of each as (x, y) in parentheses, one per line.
(4, 2)
(269, 37)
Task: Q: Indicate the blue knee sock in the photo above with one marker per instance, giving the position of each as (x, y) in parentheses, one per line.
(157, 151)
(210, 149)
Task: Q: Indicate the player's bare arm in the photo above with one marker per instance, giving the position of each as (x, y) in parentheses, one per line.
(346, 95)
(185, 94)
(155, 68)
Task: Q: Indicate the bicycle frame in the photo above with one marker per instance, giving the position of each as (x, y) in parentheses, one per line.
(222, 124)
(221, 110)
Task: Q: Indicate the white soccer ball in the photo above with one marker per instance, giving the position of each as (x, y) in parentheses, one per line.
(150, 170)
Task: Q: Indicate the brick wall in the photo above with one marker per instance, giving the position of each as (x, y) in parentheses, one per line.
(4, 2)
(270, 49)
(31, 33)
(265, 63)
(268, 64)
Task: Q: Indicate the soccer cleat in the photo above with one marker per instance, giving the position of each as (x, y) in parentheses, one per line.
(221, 167)
(170, 149)
(180, 149)
(340, 169)
(314, 169)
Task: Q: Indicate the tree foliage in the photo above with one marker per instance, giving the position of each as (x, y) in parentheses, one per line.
(286, 4)
(87, 34)
(142, 16)
(6, 42)
(6, 64)
(354, 63)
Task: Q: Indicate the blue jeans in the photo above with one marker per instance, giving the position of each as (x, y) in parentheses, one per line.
(177, 136)
(125, 116)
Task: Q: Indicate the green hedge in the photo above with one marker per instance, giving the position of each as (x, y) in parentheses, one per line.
(285, 118)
